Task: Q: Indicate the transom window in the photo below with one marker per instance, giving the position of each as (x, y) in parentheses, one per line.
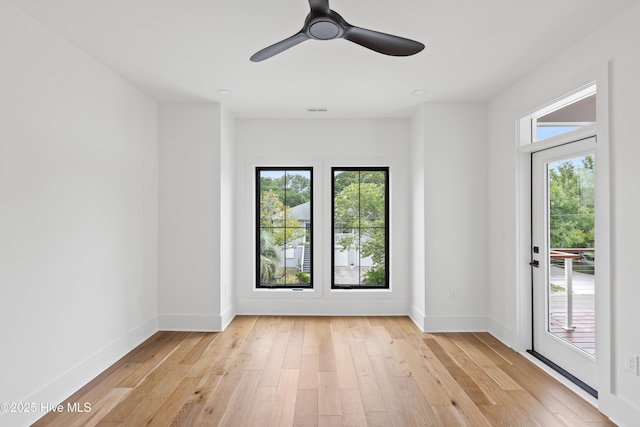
(360, 224)
(284, 237)
(572, 112)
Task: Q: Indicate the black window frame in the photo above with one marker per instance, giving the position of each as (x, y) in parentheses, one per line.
(387, 217)
(285, 169)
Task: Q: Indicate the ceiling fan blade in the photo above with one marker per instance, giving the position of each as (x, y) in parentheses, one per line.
(279, 47)
(382, 43)
(321, 5)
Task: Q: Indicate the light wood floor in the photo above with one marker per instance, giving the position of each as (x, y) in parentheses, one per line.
(326, 371)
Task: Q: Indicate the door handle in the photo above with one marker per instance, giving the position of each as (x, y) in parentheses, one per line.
(535, 263)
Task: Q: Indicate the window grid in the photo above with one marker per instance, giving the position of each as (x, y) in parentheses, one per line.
(284, 247)
(348, 271)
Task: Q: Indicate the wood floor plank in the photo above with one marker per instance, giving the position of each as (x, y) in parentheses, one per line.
(293, 354)
(378, 419)
(479, 345)
(217, 403)
(502, 403)
(275, 359)
(392, 328)
(419, 412)
(502, 379)
(430, 385)
(458, 397)
(448, 415)
(213, 359)
(309, 369)
(259, 412)
(474, 392)
(393, 401)
(498, 416)
(371, 339)
(152, 356)
(488, 339)
(344, 362)
(445, 358)
(353, 414)
(508, 354)
(311, 339)
(194, 404)
(543, 394)
(326, 371)
(386, 344)
(328, 394)
(104, 405)
(147, 399)
(477, 355)
(204, 341)
(406, 327)
(306, 413)
(69, 419)
(329, 421)
(237, 412)
(146, 395)
(552, 394)
(150, 347)
(171, 406)
(94, 391)
(535, 409)
(326, 351)
(260, 341)
(367, 383)
(109, 424)
(284, 405)
(354, 326)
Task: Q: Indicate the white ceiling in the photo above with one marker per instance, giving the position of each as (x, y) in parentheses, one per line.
(186, 50)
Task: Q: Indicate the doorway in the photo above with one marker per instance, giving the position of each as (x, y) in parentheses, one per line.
(564, 289)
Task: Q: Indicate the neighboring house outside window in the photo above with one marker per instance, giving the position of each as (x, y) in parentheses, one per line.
(284, 231)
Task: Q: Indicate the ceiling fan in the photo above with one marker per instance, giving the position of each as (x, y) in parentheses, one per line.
(322, 23)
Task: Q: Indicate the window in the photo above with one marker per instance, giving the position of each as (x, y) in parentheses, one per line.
(567, 118)
(360, 224)
(284, 231)
(572, 112)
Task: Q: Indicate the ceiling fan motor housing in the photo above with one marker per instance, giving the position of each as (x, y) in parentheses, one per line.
(323, 26)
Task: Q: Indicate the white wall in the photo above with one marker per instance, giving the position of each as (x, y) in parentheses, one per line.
(78, 216)
(452, 164)
(418, 278)
(322, 144)
(227, 216)
(614, 46)
(190, 261)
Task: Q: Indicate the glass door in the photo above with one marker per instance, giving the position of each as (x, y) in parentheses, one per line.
(564, 259)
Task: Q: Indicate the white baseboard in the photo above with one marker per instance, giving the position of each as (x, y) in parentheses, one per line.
(455, 324)
(418, 317)
(448, 323)
(75, 378)
(227, 317)
(193, 322)
(619, 410)
(498, 330)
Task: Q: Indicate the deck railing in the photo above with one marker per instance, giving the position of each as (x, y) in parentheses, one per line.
(568, 255)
